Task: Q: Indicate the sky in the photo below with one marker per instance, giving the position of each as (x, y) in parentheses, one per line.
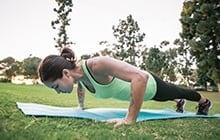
(25, 25)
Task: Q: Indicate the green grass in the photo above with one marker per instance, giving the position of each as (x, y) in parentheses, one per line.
(14, 125)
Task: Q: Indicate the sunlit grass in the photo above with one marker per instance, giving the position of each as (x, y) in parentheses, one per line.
(15, 125)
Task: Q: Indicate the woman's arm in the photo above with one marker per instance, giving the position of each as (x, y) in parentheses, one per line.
(80, 96)
(108, 66)
(138, 87)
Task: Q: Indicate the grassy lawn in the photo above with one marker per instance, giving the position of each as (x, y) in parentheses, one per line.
(14, 125)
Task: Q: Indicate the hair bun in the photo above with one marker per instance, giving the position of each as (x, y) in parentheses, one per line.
(68, 54)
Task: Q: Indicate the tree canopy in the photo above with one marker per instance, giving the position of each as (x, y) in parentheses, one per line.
(30, 66)
(201, 35)
(128, 36)
(63, 10)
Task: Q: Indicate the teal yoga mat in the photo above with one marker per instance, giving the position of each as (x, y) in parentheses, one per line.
(102, 114)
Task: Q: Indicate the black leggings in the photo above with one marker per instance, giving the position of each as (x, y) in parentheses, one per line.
(167, 91)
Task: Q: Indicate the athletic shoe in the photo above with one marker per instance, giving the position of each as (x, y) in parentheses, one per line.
(180, 106)
(203, 108)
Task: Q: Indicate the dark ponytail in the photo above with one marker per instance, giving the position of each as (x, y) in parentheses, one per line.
(52, 66)
(68, 54)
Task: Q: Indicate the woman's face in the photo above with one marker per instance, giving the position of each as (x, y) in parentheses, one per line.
(62, 85)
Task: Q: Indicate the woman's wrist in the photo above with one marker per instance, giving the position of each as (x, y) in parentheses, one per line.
(81, 105)
(126, 121)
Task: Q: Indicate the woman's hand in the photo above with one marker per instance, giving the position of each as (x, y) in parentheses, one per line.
(118, 122)
(80, 107)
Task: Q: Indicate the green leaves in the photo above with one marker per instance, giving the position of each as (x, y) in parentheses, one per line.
(63, 10)
(201, 31)
(30, 66)
(128, 38)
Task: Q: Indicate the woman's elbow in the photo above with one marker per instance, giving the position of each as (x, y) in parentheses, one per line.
(142, 77)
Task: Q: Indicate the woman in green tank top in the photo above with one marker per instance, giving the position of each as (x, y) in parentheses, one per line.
(105, 77)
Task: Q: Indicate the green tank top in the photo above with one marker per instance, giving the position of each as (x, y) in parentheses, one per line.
(117, 88)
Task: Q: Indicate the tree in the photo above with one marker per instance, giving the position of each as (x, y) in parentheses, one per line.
(203, 79)
(155, 61)
(171, 66)
(13, 70)
(162, 63)
(30, 66)
(63, 10)
(11, 66)
(106, 51)
(9, 60)
(201, 35)
(128, 38)
(185, 62)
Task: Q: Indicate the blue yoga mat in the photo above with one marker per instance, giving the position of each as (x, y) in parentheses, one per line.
(102, 114)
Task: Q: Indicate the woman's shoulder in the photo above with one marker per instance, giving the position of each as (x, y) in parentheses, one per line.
(100, 63)
(100, 60)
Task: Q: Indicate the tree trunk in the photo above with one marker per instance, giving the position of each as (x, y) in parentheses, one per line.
(218, 87)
